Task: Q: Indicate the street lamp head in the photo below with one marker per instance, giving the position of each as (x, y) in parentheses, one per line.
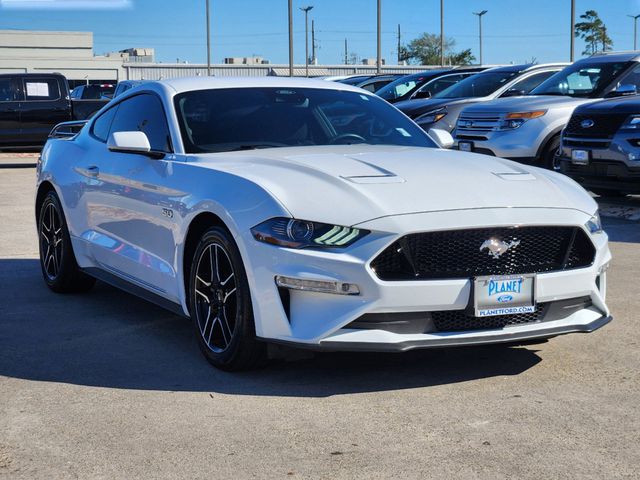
(306, 9)
(480, 13)
(635, 17)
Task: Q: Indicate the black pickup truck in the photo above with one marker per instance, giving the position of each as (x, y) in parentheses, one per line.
(32, 103)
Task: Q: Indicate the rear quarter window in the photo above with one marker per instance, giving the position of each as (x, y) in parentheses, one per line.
(39, 89)
(102, 124)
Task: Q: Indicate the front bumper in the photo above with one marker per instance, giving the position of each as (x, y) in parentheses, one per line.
(325, 321)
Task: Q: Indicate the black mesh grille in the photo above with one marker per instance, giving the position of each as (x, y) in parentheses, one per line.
(458, 320)
(604, 125)
(457, 254)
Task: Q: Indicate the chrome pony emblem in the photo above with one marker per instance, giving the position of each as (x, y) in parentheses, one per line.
(588, 123)
(496, 247)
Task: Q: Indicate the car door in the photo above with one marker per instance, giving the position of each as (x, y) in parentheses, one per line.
(9, 111)
(44, 106)
(137, 206)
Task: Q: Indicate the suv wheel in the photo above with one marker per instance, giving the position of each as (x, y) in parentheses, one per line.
(551, 155)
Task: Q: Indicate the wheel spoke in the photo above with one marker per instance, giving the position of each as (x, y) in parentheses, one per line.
(206, 299)
(46, 239)
(206, 284)
(213, 324)
(227, 280)
(204, 329)
(224, 327)
(217, 263)
(228, 294)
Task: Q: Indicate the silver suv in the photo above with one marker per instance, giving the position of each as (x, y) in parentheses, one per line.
(527, 128)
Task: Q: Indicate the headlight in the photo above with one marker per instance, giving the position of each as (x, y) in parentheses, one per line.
(594, 225)
(292, 233)
(631, 123)
(515, 120)
(432, 116)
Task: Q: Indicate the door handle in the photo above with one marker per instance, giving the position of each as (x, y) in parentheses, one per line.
(93, 171)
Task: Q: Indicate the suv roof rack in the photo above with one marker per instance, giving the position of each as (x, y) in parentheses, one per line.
(618, 52)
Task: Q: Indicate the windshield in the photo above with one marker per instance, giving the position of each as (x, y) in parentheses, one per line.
(479, 85)
(581, 80)
(222, 120)
(402, 86)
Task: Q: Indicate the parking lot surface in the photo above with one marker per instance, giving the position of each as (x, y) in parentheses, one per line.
(105, 385)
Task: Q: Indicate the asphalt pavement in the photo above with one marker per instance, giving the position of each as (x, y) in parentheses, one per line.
(104, 385)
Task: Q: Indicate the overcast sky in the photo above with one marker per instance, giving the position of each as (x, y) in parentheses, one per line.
(514, 30)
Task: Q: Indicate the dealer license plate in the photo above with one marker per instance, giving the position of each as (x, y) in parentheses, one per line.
(465, 146)
(504, 295)
(580, 157)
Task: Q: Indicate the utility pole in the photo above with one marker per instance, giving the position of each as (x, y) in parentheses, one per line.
(379, 56)
(313, 43)
(480, 15)
(572, 32)
(399, 45)
(635, 30)
(306, 38)
(346, 53)
(290, 39)
(442, 32)
(208, 42)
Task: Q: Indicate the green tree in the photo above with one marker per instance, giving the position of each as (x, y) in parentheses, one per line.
(425, 50)
(594, 33)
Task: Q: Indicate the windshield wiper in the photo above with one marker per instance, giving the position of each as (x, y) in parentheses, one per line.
(255, 146)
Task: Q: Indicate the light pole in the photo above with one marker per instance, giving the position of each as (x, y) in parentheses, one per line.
(379, 31)
(442, 32)
(208, 42)
(635, 30)
(290, 39)
(480, 15)
(306, 38)
(572, 32)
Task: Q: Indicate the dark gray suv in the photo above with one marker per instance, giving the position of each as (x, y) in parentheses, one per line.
(600, 146)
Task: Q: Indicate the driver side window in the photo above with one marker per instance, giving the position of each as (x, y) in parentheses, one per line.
(144, 113)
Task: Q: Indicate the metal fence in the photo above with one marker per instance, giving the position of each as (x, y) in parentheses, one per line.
(159, 71)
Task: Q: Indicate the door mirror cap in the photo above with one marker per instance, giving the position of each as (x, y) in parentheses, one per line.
(422, 94)
(441, 137)
(514, 92)
(132, 142)
(623, 90)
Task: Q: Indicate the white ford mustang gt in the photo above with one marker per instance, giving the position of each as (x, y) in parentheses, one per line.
(315, 214)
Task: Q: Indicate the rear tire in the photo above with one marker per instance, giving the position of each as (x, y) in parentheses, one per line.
(220, 304)
(57, 260)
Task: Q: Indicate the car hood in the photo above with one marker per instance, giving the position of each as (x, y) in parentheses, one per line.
(413, 108)
(528, 103)
(347, 185)
(629, 105)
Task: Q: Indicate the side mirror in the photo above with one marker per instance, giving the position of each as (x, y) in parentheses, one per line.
(422, 94)
(132, 142)
(514, 92)
(623, 91)
(441, 137)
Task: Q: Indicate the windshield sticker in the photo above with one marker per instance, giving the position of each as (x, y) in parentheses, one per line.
(403, 132)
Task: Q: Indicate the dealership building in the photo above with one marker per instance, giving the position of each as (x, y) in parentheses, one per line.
(72, 54)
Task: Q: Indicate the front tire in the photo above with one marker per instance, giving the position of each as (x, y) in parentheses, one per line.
(551, 155)
(57, 260)
(220, 304)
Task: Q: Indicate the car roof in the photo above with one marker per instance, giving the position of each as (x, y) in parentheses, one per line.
(185, 84)
(525, 67)
(608, 57)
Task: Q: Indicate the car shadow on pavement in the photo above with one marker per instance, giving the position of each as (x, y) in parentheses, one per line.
(108, 338)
